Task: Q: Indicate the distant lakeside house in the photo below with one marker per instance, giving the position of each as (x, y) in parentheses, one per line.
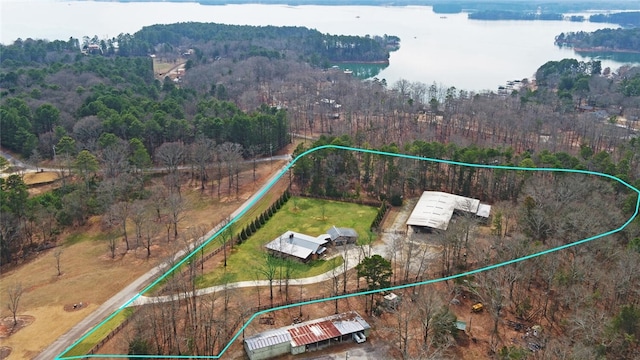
(304, 247)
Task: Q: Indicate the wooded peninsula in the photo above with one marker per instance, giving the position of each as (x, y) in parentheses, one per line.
(615, 40)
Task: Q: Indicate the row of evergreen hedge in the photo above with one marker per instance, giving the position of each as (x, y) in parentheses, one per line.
(382, 210)
(259, 221)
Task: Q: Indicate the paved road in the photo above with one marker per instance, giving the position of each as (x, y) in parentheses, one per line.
(125, 296)
(21, 166)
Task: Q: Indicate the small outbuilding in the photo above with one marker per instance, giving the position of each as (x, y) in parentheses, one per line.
(342, 235)
(391, 301)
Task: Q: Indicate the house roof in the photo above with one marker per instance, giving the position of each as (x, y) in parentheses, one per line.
(298, 245)
(336, 232)
(484, 210)
(434, 209)
(390, 297)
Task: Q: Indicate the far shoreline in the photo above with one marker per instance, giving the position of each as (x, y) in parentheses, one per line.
(605, 49)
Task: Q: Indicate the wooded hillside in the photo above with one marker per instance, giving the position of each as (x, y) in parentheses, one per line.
(106, 121)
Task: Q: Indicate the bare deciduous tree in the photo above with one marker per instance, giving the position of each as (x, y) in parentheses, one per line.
(171, 156)
(176, 207)
(14, 294)
(114, 158)
(230, 154)
(138, 215)
(120, 212)
(201, 155)
(57, 254)
(268, 269)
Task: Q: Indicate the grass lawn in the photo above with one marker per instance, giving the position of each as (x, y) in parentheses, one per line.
(308, 216)
(100, 333)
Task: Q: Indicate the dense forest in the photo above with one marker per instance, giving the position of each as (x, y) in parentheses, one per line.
(627, 19)
(627, 40)
(104, 119)
(269, 41)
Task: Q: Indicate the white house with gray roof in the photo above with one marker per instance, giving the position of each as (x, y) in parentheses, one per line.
(299, 246)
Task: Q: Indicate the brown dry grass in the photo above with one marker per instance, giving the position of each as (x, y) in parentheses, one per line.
(39, 178)
(84, 266)
(91, 276)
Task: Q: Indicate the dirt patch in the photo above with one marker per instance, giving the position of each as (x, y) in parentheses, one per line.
(40, 178)
(42, 185)
(75, 306)
(7, 326)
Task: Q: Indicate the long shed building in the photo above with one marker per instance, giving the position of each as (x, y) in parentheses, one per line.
(307, 336)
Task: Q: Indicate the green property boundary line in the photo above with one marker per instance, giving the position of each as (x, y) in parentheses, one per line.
(270, 185)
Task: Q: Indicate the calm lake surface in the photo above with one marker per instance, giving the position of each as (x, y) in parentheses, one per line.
(449, 50)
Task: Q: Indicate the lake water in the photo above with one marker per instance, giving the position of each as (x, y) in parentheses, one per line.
(449, 50)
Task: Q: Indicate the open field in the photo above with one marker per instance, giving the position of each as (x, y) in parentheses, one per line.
(163, 68)
(83, 264)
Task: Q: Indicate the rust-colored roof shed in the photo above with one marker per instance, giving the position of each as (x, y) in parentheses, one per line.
(312, 333)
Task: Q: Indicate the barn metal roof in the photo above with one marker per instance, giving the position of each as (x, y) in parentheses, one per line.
(310, 332)
(434, 209)
(484, 210)
(336, 232)
(268, 338)
(348, 326)
(304, 334)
